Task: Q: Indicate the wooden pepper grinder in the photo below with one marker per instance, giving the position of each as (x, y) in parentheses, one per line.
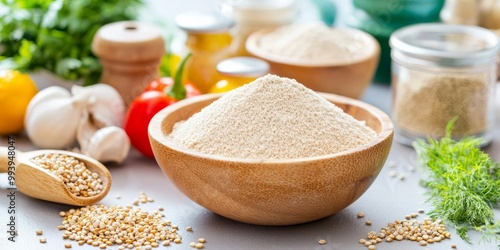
(130, 53)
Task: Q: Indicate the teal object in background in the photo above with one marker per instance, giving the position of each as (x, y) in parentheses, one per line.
(327, 11)
(382, 17)
(403, 11)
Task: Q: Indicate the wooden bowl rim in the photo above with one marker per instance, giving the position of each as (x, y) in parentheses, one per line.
(155, 130)
(252, 41)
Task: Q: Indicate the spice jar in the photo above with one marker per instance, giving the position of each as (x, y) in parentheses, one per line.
(208, 40)
(237, 71)
(443, 71)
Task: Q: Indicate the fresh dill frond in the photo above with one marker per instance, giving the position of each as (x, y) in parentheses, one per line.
(463, 182)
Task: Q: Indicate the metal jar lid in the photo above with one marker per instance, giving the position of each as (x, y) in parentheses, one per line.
(203, 22)
(444, 45)
(243, 66)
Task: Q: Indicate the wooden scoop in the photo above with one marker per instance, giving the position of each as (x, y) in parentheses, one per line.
(36, 182)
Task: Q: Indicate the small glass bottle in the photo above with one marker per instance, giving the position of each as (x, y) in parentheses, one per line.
(442, 72)
(253, 15)
(237, 71)
(208, 40)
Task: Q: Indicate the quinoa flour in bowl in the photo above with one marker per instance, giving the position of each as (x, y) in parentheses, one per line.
(271, 152)
(271, 118)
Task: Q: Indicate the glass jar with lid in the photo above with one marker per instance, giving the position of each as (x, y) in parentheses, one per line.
(208, 40)
(253, 15)
(237, 71)
(442, 72)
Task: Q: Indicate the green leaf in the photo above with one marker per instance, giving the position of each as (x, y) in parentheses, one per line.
(57, 34)
(26, 49)
(463, 182)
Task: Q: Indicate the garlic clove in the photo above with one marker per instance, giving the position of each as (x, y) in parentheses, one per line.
(104, 104)
(85, 131)
(108, 144)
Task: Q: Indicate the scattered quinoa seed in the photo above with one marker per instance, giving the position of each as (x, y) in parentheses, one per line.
(372, 247)
(361, 214)
(421, 211)
(166, 243)
(62, 213)
(393, 173)
(43, 240)
(67, 245)
(192, 244)
(453, 245)
(322, 242)
(427, 232)
(118, 196)
(368, 222)
(39, 232)
(202, 240)
(102, 226)
(391, 164)
(199, 245)
(189, 229)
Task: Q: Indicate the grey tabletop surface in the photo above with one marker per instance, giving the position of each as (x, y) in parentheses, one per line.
(386, 200)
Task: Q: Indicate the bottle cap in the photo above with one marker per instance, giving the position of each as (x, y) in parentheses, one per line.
(243, 66)
(203, 22)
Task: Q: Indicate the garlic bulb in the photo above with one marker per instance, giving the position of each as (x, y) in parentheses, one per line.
(104, 103)
(52, 118)
(91, 115)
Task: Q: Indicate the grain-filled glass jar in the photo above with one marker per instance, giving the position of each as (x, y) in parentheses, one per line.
(439, 72)
(254, 15)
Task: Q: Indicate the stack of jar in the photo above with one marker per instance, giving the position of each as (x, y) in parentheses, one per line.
(210, 42)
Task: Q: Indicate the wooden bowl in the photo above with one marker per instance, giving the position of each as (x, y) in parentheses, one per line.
(349, 79)
(272, 192)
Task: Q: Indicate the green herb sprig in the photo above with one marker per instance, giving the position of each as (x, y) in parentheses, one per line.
(56, 35)
(463, 182)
